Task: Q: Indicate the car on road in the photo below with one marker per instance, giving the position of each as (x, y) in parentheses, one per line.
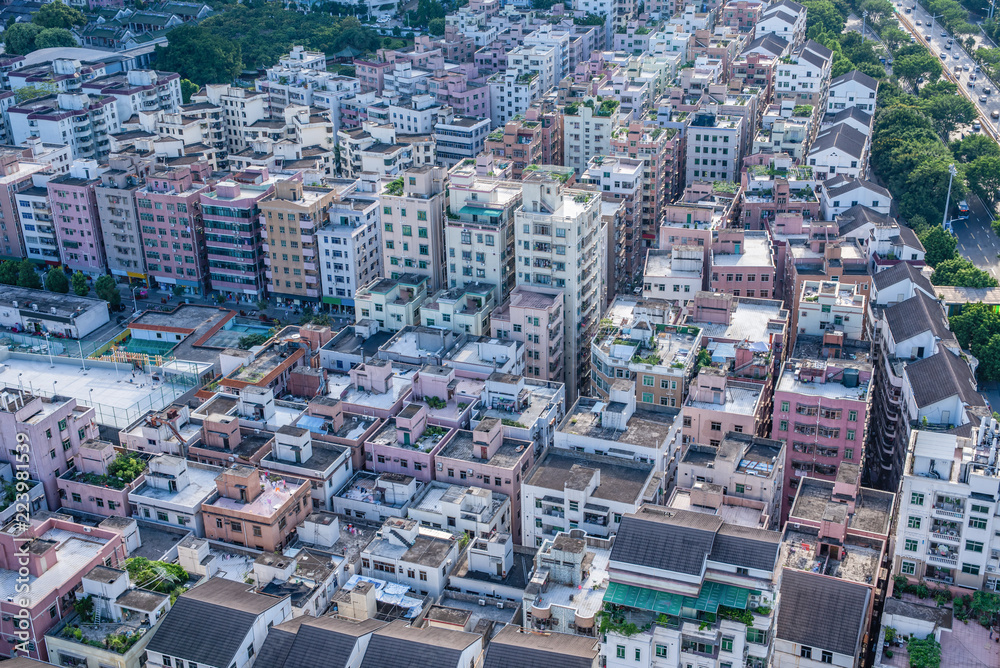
(995, 113)
(944, 33)
(944, 56)
(983, 98)
(972, 77)
(976, 126)
(987, 90)
(955, 56)
(927, 37)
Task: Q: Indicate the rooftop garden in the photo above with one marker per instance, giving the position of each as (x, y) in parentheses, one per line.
(572, 109)
(607, 107)
(9, 491)
(725, 187)
(588, 20)
(651, 359)
(121, 472)
(394, 188)
(526, 78)
(157, 576)
(120, 643)
(802, 110)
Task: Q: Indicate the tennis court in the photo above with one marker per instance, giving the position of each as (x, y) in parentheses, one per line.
(147, 347)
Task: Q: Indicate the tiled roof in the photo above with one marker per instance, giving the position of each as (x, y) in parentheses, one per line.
(821, 612)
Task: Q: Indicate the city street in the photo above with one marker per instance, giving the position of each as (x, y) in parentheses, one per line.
(933, 35)
(976, 239)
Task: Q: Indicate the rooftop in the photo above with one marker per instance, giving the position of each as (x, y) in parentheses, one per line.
(74, 552)
(799, 549)
(872, 511)
(741, 398)
(587, 598)
(508, 455)
(200, 487)
(621, 481)
(645, 428)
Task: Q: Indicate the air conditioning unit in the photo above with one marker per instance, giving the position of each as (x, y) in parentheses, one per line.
(482, 602)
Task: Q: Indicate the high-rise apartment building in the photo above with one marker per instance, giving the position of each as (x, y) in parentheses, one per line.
(413, 212)
(349, 248)
(74, 209)
(558, 237)
(587, 129)
(289, 222)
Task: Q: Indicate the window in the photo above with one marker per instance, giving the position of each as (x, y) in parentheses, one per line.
(784, 406)
(850, 434)
(647, 397)
(647, 381)
(910, 545)
(574, 505)
(257, 532)
(826, 657)
(638, 654)
(980, 509)
(76, 497)
(716, 426)
(849, 453)
(916, 499)
(971, 569)
(852, 416)
(727, 644)
(973, 546)
(756, 636)
(783, 425)
(740, 489)
(806, 652)
(977, 523)
(166, 661)
(620, 651)
(162, 516)
(913, 522)
(907, 568)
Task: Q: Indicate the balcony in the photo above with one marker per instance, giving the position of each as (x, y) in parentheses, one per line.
(949, 507)
(942, 554)
(946, 530)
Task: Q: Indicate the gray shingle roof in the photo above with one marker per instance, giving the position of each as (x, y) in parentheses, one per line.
(941, 376)
(769, 43)
(850, 112)
(748, 547)
(842, 137)
(855, 75)
(845, 184)
(821, 612)
(915, 315)
(515, 647)
(232, 606)
(670, 540)
(403, 646)
(901, 272)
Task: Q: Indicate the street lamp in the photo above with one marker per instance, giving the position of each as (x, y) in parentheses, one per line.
(48, 347)
(864, 17)
(947, 201)
(135, 306)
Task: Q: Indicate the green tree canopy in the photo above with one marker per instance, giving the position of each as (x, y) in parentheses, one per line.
(974, 146)
(912, 67)
(107, 289)
(436, 27)
(9, 270)
(961, 273)
(27, 277)
(188, 88)
(58, 15)
(56, 281)
(80, 286)
(948, 111)
(25, 93)
(823, 17)
(939, 245)
(200, 56)
(20, 38)
(983, 175)
(55, 37)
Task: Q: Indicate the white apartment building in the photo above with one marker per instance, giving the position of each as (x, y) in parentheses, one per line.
(803, 76)
(543, 59)
(714, 148)
(84, 122)
(511, 93)
(831, 306)
(853, 89)
(479, 230)
(138, 90)
(558, 240)
(415, 115)
(947, 531)
(568, 490)
(407, 553)
(464, 511)
(37, 226)
(240, 107)
(458, 138)
(390, 304)
(350, 250)
(587, 128)
(785, 19)
(674, 274)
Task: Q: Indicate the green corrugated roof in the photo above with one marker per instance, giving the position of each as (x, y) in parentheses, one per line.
(711, 596)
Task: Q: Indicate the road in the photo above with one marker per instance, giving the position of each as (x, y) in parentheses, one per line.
(933, 35)
(976, 239)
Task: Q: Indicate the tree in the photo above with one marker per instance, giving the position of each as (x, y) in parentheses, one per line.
(940, 245)
(27, 277)
(107, 289)
(912, 67)
(983, 175)
(200, 56)
(25, 93)
(80, 286)
(20, 38)
(950, 110)
(179, 290)
(188, 88)
(55, 37)
(57, 15)
(8, 272)
(894, 37)
(56, 281)
(435, 27)
(961, 273)
(250, 340)
(822, 17)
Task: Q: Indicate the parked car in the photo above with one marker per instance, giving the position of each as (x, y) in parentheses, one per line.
(995, 113)
(983, 98)
(987, 91)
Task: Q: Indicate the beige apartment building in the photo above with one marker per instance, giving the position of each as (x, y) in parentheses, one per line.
(291, 218)
(413, 211)
(534, 316)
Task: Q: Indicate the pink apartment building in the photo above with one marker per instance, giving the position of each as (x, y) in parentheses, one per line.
(717, 405)
(741, 15)
(821, 413)
(742, 264)
(52, 428)
(58, 554)
(485, 458)
(534, 316)
(518, 141)
(78, 227)
(371, 74)
(375, 391)
(656, 147)
(551, 119)
(94, 485)
(171, 228)
(407, 444)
